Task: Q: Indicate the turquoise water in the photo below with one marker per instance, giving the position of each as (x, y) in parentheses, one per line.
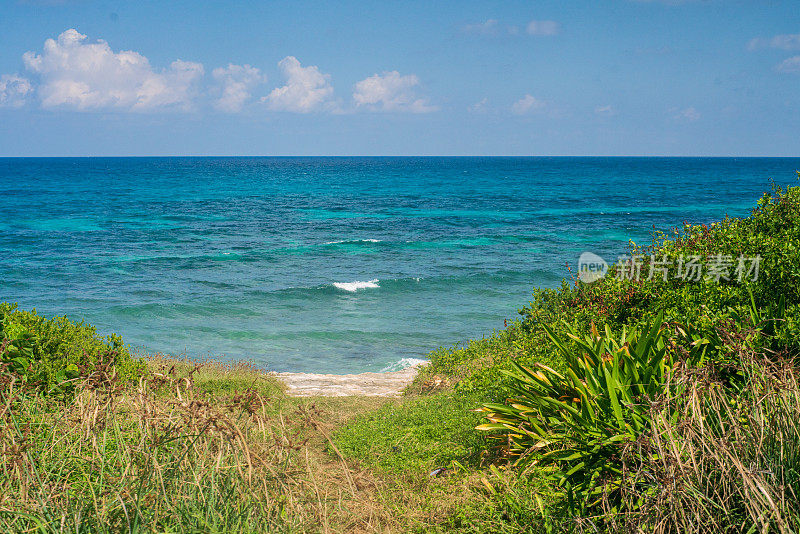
(332, 264)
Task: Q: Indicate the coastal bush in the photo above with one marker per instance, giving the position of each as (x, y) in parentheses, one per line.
(577, 421)
(721, 460)
(54, 353)
(650, 433)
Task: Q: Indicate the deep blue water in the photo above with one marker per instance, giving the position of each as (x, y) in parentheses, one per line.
(237, 257)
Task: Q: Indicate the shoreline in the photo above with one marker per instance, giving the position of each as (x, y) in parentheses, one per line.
(370, 384)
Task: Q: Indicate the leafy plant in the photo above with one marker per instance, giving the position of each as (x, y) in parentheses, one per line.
(577, 422)
(53, 352)
(730, 462)
(16, 347)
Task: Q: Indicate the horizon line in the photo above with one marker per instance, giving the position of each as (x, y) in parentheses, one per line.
(398, 156)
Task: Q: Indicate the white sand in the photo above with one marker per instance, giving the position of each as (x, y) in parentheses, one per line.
(389, 384)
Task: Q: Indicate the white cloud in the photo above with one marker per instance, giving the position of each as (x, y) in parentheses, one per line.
(756, 43)
(689, 114)
(781, 42)
(235, 83)
(493, 28)
(665, 2)
(542, 27)
(479, 107)
(527, 104)
(489, 27)
(789, 65)
(605, 110)
(390, 92)
(84, 76)
(14, 90)
(307, 89)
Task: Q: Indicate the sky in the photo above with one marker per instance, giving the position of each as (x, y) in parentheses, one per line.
(565, 77)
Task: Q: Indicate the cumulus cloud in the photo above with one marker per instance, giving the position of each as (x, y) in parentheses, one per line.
(234, 85)
(790, 65)
(527, 104)
(479, 107)
(390, 92)
(542, 27)
(689, 114)
(781, 42)
(605, 110)
(488, 27)
(77, 74)
(14, 90)
(307, 89)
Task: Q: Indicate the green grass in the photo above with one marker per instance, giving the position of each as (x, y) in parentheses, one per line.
(415, 436)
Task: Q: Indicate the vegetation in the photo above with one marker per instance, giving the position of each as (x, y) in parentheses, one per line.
(658, 404)
(54, 353)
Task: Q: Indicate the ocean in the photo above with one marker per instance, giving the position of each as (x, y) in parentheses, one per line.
(333, 264)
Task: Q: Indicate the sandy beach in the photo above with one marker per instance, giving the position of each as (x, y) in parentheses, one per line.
(389, 384)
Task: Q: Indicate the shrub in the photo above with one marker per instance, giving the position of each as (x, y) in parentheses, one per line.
(52, 352)
(663, 432)
(578, 421)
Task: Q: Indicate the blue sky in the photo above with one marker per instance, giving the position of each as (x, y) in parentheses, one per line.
(614, 77)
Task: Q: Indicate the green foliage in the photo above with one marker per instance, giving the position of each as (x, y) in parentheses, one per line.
(729, 461)
(16, 347)
(578, 421)
(54, 352)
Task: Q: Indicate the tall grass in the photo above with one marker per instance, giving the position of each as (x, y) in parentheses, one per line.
(730, 462)
(160, 456)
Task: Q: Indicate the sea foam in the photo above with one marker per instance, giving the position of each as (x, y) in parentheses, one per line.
(343, 241)
(403, 363)
(354, 286)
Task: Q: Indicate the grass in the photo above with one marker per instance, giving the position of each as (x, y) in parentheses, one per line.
(416, 436)
(205, 447)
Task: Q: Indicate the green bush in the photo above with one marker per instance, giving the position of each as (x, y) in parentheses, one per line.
(729, 461)
(577, 422)
(55, 352)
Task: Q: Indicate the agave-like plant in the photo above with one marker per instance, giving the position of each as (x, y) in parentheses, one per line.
(578, 424)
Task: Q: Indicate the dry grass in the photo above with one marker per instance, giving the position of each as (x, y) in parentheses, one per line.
(196, 447)
(723, 461)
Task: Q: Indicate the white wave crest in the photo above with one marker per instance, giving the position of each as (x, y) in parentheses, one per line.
(353, 286)
(404, 363)
(352, 241)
